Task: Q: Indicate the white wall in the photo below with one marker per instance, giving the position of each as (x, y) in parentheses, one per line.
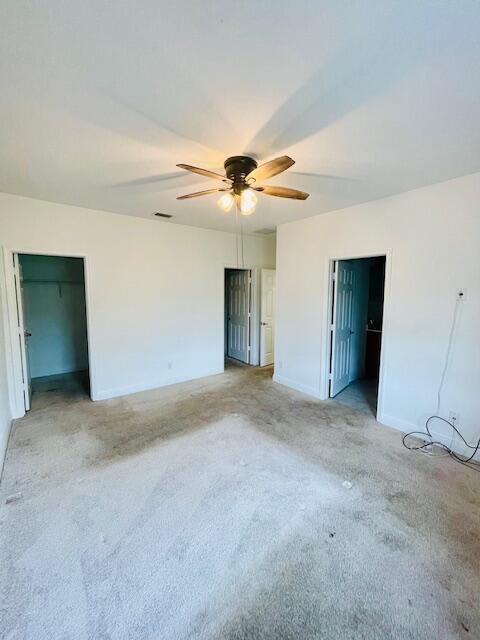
(434, 237)
(154, 289)
(54, 312)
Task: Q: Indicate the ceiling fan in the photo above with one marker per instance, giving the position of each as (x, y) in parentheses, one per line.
(241, 181)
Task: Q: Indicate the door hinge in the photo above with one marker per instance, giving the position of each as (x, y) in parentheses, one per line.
(330, 376)
(332, 327)
(249, 348)
(334, 276)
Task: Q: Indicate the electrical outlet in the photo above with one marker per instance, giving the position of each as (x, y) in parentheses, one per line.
(170, 365)
(461, 293)
(454, 417)
(280, 364)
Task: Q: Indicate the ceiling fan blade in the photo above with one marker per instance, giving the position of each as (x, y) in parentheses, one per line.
(271, 168)
(204, 172)
(200, 193)
(324, 176)
(283, 192)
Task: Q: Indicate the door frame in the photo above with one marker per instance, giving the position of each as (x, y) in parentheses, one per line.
(262, 270)
(20, 321)
(246, 274)
(9, 304)
(254, 357)
(326, 342)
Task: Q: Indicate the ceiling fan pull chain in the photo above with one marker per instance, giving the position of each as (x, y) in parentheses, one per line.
(241, 232)
(236, 229)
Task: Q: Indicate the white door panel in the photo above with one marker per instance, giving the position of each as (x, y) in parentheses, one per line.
(238, 314)
(267, 317)
(22, 331)
(342, 326)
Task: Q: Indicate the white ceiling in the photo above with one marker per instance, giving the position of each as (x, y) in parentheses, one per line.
(100, 100)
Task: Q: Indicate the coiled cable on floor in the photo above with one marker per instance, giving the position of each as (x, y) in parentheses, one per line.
(466, 460)
(431, 442)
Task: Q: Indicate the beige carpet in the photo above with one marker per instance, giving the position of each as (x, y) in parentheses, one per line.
(216, 509)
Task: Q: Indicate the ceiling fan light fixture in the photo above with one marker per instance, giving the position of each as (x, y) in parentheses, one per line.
(248, 200)
(226, 202)
(241, 174)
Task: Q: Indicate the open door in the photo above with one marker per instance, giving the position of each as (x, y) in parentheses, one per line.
(343, 283)
(267, 317)
(238, 314)
(23, 333)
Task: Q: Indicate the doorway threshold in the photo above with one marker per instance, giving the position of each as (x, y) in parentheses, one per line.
(361, 394)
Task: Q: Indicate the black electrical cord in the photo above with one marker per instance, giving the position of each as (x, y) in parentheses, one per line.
(426, 434)
(431, 442)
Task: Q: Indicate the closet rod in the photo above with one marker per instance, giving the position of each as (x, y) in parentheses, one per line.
(54, 281)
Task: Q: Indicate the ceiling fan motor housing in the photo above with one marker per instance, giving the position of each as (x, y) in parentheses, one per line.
(237, 169)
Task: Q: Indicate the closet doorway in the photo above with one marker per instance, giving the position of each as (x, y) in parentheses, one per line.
(52, 322)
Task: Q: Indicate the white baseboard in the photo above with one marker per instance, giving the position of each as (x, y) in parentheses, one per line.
(298, 386)
(397, 423)
(106, 394)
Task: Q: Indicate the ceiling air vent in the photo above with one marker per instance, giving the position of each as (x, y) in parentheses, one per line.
(162, 215)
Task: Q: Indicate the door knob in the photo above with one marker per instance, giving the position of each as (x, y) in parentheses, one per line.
(27, 334)
(264, 324)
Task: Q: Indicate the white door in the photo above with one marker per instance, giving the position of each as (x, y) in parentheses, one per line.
(341, 326)
(267, 317)
(238, 314)
(23, 333)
